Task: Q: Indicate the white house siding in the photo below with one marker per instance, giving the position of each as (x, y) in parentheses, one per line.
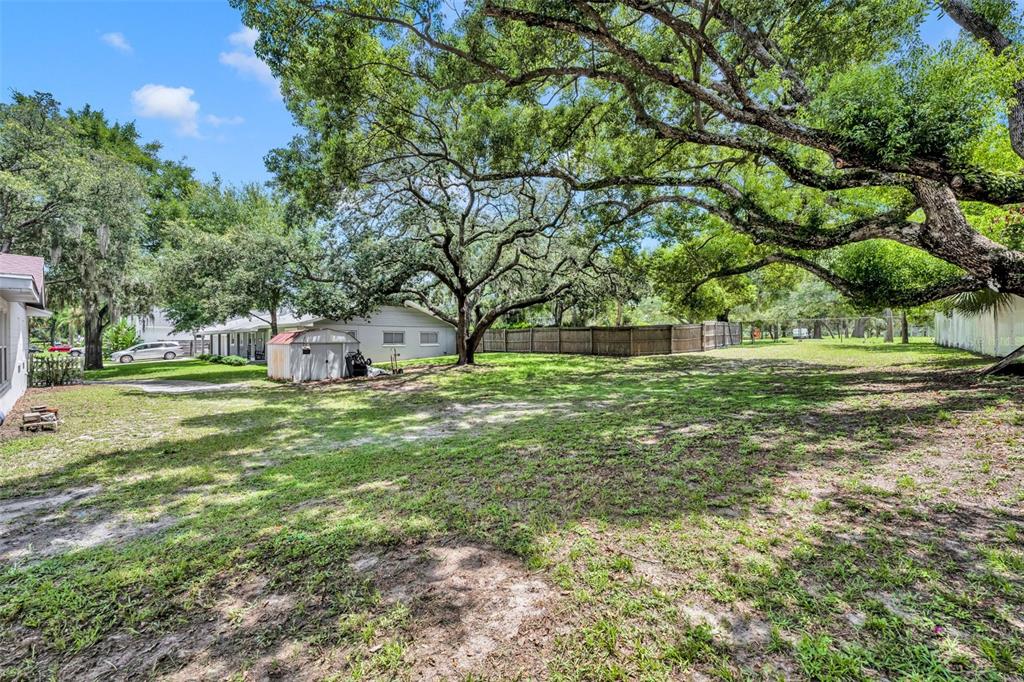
(16, 336)
(243, 335)
(996, 332)
(370, 333)
(156, 327)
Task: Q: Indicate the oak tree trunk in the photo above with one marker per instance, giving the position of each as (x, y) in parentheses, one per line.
(465, 343)
(93, 338)
(905, 336)
(559, 312)
(949, 236)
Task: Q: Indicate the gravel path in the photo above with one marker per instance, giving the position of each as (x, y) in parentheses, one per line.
(173, 385)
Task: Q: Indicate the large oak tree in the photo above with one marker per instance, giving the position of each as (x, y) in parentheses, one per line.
(806, 125)
(73, 189)
(421, 224)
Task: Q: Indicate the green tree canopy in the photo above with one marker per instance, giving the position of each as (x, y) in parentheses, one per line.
(806, 126)
(71, 190)
(233, 254)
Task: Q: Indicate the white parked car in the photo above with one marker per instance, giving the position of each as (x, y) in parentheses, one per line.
(801, 333)
(147, 351)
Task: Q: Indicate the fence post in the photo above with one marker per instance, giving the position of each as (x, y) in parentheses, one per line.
(558, 340)
(702, 337)
(531, 339)
(592, 341)
(632, 350)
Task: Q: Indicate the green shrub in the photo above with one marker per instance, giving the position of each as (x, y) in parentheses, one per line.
(233, 360)
(119, 336)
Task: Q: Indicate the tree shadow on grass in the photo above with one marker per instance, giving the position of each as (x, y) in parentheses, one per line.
(891, 585)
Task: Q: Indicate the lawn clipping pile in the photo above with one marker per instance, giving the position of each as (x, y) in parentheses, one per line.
(817, 510)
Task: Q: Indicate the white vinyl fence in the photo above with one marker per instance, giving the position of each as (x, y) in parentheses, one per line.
(996, 332)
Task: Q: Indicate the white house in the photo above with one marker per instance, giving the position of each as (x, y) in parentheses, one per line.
(411, 332)
(22, 295)
(156, 327)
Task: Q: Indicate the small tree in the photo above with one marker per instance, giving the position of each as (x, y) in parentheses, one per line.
(233, 255)
(120, 335)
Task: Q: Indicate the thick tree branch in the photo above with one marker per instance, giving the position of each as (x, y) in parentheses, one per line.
(984, 30)
(847, 288)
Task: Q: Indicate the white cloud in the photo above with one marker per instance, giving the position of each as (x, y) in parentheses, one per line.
(117, 41)
(217, 121)
(244, 38)
(244, 60)
(175, 104)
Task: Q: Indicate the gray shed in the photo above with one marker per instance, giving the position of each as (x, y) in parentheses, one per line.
(309, 355)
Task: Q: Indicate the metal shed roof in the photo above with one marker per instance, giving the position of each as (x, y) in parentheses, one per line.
(312, 336)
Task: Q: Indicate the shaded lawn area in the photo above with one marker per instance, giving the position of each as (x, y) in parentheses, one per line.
(180, 370)
(815, 510)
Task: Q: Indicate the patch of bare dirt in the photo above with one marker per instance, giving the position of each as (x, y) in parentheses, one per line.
(36, 527)
(11, 428)
(474, 609)
(175, 386)
(409, 381)
(240, 638)
(457, 418)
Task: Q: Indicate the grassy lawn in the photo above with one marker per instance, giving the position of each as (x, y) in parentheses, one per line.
(181, 370)
(812, 510)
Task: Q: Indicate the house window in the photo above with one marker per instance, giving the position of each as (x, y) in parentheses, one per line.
(428, 338)
(394, 338)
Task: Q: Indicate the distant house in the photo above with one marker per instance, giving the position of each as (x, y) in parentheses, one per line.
(996, 332)
(411, 332)
(156, 327)
(22, 296)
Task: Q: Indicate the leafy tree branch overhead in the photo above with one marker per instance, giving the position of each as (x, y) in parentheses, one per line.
(808, 126)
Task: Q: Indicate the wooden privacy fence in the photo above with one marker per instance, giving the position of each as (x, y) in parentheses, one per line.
(622, 341)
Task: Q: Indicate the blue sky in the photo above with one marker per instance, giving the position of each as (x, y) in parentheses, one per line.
(184, 71)
(137, 60)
